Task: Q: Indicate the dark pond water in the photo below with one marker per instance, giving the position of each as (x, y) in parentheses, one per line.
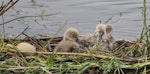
(83, 15)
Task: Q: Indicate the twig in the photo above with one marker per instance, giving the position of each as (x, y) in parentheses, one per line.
(8, 6)
(3, 26)
(34, 67)
(110, 18)
(45, 70)
(86, 55)
(21, 33)
(34, 41)
(26, 17)
(3, 7)
(17, 68)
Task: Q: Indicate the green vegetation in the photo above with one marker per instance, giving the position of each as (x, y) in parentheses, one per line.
(125, 60)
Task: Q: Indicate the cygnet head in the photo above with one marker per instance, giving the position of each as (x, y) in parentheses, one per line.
(108, 30)
(71, 34)
(100, 30)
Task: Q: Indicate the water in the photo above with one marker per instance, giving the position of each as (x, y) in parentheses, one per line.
(83, 15)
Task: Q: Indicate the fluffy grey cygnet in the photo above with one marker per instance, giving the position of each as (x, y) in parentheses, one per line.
(69, 42)
(108, 43)
(71, 34)
(91, 39)
(67, 46)
(102, 29)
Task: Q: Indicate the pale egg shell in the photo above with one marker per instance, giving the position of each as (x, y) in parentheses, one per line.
(26, 47)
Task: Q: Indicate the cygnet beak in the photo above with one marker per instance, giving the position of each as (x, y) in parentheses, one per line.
(100, 36)
(77, 40)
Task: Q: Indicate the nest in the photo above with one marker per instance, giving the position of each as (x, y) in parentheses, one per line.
(122, 54)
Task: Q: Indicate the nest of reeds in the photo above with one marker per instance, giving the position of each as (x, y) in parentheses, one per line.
(125, 59)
